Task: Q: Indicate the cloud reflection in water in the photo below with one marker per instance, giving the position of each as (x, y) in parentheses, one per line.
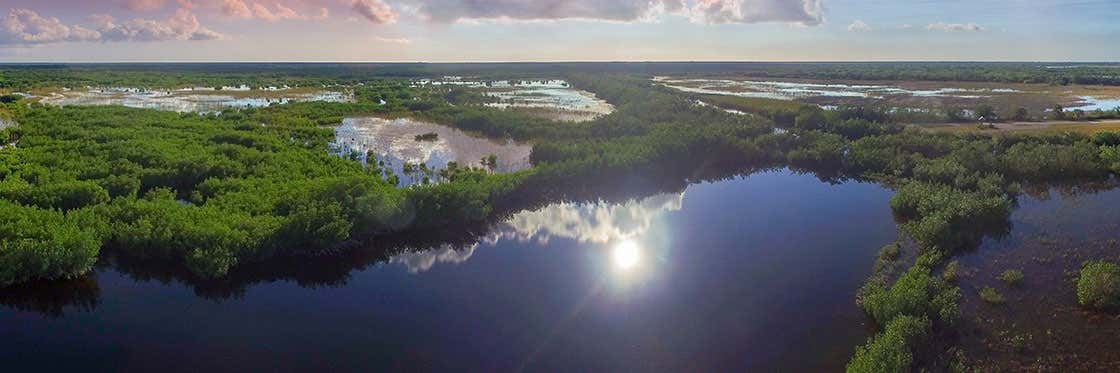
(589, 222)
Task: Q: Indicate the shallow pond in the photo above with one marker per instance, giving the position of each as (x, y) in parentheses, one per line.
(551, 99)
(1090, 103)
(750, 274)
(783, 90)
(1040, 326)
(200, 100)
(554, 99)
(395, 142)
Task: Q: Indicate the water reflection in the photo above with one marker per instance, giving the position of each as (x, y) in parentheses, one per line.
(783, 90)
(55, 297)
(648, 283)
(551, 99)
(198, 100)
(598, 222)
(395, 144)
(1090, 103)
(421, 261)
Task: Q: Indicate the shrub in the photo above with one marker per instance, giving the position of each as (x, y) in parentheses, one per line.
(892, 350)
(890, 252)
(430, 136)
(950, 272)
(1098, 286)
(1012, 277)
(888, 256)
(991, 295)
(915, 293)
(940, 216)
(44, 244)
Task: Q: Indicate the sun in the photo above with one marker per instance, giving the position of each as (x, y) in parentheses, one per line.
(626, 254)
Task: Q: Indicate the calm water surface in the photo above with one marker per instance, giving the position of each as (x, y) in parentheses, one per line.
(187, 100)
(752, 273)
(393, 143)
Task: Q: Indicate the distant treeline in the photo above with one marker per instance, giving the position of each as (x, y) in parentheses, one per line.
(28, 76)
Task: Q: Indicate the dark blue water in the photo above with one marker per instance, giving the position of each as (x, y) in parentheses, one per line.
(754, 273)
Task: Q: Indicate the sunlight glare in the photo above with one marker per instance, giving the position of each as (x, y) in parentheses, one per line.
(626, 254)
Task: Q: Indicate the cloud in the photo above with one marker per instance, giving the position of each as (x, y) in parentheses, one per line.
(205, 34)
(804, 12)
(375, 11)
(399, 41)
(183, 25)
(807, 12)
(144, 5)
(24, 26)
(278, 12)
(520, 10)
(954, 27)
(236, 8)
(859, 26)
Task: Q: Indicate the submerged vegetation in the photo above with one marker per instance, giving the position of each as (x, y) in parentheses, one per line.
(1012, 277)
(212, 192)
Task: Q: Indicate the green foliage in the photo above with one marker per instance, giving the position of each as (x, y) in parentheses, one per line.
(1098, 285)
(810, 118)
(45, 244)
(888, 256)
(1012, 277)
(915, 293)
(991, 295)
(1110, 155)
(939, 216)
(890, 252)
(893, 349)
(986, 112)
(951, 272)
(1054, 161)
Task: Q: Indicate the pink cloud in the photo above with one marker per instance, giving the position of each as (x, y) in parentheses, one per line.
(375, 11)
(236, 8)
(144, 5)
(806, 12)
(398, 41)
(261, 11)
(24, 26)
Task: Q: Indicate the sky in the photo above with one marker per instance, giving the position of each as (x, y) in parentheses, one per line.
(558, 30)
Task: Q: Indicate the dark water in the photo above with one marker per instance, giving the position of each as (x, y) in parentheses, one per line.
(755, 273)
